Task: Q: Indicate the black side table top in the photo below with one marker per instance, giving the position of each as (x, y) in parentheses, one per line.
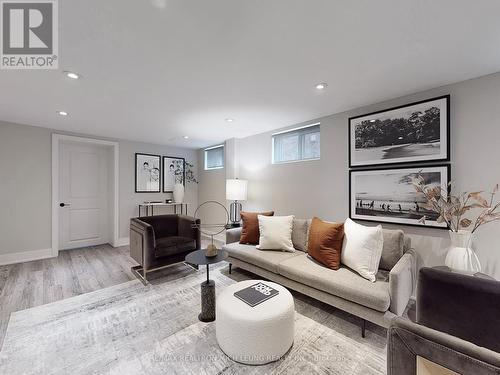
(198, 257)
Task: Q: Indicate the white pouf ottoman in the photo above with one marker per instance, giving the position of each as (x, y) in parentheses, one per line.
(255, 335)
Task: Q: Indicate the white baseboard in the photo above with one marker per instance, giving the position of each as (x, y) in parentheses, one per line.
(122, 241)
(26, 256)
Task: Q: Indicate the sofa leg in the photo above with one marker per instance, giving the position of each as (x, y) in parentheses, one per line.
(230, 266)
(363, 328)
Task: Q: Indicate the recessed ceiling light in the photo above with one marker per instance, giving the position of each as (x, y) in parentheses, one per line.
(72, 75)
(62, 113)
(229, 119)
(321, 86)
(372, 120)
(186, 137)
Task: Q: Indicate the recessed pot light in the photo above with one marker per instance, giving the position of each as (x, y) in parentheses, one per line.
(229, 119)
(72, 75)
(372, 120)
(186, 137)
(62, 113)
(321, 86)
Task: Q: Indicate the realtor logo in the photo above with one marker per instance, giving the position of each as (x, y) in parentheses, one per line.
(29, 34)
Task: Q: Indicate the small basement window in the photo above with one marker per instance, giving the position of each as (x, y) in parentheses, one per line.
(297, 144)
(214, 157)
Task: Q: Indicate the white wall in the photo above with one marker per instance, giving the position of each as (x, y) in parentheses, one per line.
(321, 187)
(25, 187)
(212, 187)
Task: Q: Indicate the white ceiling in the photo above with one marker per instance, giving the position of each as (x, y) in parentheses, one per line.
(156, 70)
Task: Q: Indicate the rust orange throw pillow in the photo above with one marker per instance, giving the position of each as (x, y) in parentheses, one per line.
(325, 242)
(250, 231)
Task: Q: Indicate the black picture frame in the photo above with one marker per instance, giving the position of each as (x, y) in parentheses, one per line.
(147, 157)
(444, 133)
(398, 221)
(167, 161)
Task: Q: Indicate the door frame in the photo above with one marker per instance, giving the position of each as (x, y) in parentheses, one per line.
(57, 139)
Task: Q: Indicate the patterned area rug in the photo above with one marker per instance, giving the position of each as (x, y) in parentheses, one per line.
(136, 329)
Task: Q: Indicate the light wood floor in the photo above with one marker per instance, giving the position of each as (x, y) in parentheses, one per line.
(72, 273)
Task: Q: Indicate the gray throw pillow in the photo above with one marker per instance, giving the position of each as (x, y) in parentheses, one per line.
(300, 232)
(393, 248)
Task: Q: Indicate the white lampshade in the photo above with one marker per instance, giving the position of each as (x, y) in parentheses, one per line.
(236, 190)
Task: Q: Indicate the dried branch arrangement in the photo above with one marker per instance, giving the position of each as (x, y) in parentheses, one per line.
(184, 169)
(463, 211)
(190, 176)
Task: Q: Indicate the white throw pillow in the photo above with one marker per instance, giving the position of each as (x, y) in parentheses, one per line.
(362, 248)
(275, 233)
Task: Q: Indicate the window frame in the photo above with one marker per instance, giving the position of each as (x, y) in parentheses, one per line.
(302, 132)
(205, 153)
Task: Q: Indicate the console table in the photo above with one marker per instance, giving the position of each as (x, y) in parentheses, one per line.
(150, 206)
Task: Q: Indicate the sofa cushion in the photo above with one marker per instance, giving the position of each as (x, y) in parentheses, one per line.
(393, 248)
(343, 282)
(275, 233)
(173, 245)
(163, 225)
(362, 248)
(267, 259)
(250, 229)
(300, 234)
(325, 242)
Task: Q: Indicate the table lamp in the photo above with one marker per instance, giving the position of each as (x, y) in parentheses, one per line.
(236, 191)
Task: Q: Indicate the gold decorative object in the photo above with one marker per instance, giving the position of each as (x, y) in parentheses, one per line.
(211, 250)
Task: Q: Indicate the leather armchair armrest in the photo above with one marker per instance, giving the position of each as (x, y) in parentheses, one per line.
(407, 340)
(461, 305)
(233, 235)
(402, 282)
(142, 242)
(185, 229)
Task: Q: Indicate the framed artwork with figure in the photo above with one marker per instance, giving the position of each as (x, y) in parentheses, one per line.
(388, 195)
(147, 173)
(174, 172)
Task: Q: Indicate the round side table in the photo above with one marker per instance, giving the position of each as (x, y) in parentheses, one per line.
(207, 287)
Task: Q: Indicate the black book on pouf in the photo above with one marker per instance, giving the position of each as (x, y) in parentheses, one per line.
(255, 294)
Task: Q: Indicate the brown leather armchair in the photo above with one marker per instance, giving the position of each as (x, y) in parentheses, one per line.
(159, 241)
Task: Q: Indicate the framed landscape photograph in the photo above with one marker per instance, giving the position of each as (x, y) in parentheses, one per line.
(147, 173)
(174, 171)
(416, 132)
(387, 195)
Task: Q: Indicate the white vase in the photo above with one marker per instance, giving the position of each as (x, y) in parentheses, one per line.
(178, 193)
(460, 256)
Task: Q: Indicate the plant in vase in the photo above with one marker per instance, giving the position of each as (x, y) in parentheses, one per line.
(183, 172)
(463, 214)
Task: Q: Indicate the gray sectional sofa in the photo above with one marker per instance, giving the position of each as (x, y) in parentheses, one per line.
(378, 302)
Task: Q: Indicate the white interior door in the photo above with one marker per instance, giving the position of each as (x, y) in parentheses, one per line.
(83, 195)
